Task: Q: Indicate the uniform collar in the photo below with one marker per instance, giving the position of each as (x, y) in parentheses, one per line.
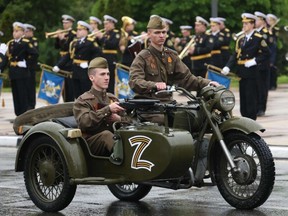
(96, 93)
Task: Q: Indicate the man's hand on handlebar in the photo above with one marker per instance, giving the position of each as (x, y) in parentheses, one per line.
(160, 86)
(115, 108)
(214, 83)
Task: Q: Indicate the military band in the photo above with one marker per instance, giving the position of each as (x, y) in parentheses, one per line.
(204, 43)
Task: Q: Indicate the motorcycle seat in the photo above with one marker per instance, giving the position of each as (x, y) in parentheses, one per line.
(69, 122)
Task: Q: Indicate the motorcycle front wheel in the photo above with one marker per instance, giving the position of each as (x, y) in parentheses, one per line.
(129, 192)
(252, 184)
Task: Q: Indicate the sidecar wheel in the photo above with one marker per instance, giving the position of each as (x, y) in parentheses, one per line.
(46, 176)
(129, 192)
(253, 184)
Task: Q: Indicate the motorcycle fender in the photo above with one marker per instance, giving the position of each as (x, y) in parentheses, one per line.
(70, 148)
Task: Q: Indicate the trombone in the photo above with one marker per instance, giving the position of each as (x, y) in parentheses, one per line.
(55, 33)
(138, 38)
(94, 33)
(190, 44)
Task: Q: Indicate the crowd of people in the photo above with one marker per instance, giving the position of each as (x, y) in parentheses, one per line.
(253, 58)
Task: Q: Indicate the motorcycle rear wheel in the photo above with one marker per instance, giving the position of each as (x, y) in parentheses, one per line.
(253, 184)
(129, 192)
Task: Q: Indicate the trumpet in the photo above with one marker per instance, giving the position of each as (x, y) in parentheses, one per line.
(94, 33)
(235, 36)
(184, 51)
(55, 33)
(138, 38)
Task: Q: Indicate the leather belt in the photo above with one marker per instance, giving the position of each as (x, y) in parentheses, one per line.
(79, 61)
(62, 53)
(225, 47)
(199, 57)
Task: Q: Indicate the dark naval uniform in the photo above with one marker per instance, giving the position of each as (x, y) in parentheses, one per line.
(225, 48)
(273, 69)
(263, 80)
(202, 54)
(91, 111)
(257, 48)
(110, 44)
(80, 51)
(127, 58)
(19, 76)
(218, 40)
(63, 46)
(32, 63)
(170, 40)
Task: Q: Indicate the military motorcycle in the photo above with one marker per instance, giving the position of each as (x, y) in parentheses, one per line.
(203, 142)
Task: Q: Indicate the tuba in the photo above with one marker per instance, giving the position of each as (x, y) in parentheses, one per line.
(94, 33)
(55, 33)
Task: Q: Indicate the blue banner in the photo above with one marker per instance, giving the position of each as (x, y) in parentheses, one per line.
(51, 86)
(122, 88)
(221, 79)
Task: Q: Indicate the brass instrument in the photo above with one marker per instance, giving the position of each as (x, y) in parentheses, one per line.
(138, 38)
(190, 44)
(235, 36)
(94, 33)
(286, 28)
(55, 33)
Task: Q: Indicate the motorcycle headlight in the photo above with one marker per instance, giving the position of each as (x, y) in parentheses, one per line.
(225, 100)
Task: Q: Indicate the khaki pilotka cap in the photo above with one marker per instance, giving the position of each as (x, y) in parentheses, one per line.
(98, 62)
(156, 22)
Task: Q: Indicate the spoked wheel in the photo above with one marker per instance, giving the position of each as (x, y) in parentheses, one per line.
(252, 184)
(46, 176)
(129, 192)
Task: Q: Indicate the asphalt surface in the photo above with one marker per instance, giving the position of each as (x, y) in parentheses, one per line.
(274, 121)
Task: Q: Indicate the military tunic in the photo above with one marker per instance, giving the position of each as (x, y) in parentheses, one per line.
(257, 48)
(91, 111)
(63, 46)
(151, 66)
(110, 44)
(19, 76)
(202, 54)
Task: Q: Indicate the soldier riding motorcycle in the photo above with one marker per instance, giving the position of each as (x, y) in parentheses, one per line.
(205, 141)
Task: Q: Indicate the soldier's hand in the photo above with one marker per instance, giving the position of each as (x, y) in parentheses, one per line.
(160, 86)
(250, 63)
(225, 71)
(84, 65)
(114, 117)
(56, 69)
(115, 108)
(22, 64)
(3, 48)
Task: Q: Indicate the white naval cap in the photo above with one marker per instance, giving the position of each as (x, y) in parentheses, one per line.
(168, 21)
(95, 19)
(83, 25)
(29, 26)
(18, 25)
(260, 14)
(222, 19)
(215, 20)
(188, 27)
(272, 16)
(248, 17)
(110, 18)
(67, 18)
(202, 20)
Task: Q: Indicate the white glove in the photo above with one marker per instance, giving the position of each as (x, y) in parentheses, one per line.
(84, 65)
(22, 64)
(250, 63)
(3, 48)
(225, 70)
(56, 69)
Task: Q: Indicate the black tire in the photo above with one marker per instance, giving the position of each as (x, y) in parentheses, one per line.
(252, 186)
(129, 192)
(46, 176)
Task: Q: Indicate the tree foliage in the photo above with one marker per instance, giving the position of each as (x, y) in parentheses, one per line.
(46, 15)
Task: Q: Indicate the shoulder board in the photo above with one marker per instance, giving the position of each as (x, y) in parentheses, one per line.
(168, 50)
(265, 30)
(276, 28)
(112, 97)
(144, 53)
(258, 35)
(73, 32)
(172, 33)
(221, 33)
(227, 30)
(34, 38)
(115, 30)
(25, 40)
(134, 32)
(90, 39)
(208, 33)
(87, 96)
